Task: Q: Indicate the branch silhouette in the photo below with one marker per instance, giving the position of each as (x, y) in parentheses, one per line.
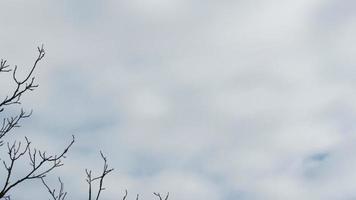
(41, 163)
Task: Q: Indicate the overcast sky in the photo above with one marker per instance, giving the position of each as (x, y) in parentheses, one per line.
(209, 100)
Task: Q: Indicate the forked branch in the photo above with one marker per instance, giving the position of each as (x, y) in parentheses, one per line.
(160, 197)
(22, 86)
(61, 195)
(90, 179)
(41, 163)
(12, 122)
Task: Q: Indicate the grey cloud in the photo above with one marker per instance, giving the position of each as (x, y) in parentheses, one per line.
(206, 99)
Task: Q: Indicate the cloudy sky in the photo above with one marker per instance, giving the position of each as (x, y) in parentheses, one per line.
(209, 100)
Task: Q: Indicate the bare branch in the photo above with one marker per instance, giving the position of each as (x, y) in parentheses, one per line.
(126, 193)
(100, 178)
(12, 122)
(22, 86)
(160, 197)
(124, 198)
(61, 194)
(3, 66)
(41, 164)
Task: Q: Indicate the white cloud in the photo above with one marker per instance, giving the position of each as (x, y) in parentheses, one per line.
(207, 100)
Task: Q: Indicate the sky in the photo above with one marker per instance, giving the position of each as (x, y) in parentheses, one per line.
(213, 100)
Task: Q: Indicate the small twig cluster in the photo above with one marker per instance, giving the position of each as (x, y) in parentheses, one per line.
(9, 123)
(22, 86)
(61, 194)
(100, 178)
(158, 195)
(41, 163)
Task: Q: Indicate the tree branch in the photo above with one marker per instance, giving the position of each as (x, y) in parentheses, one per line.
(22, 86)
(100, 178)
(39, 162)
(61, 194)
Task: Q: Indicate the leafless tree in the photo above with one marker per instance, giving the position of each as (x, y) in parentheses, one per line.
(41, 163)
